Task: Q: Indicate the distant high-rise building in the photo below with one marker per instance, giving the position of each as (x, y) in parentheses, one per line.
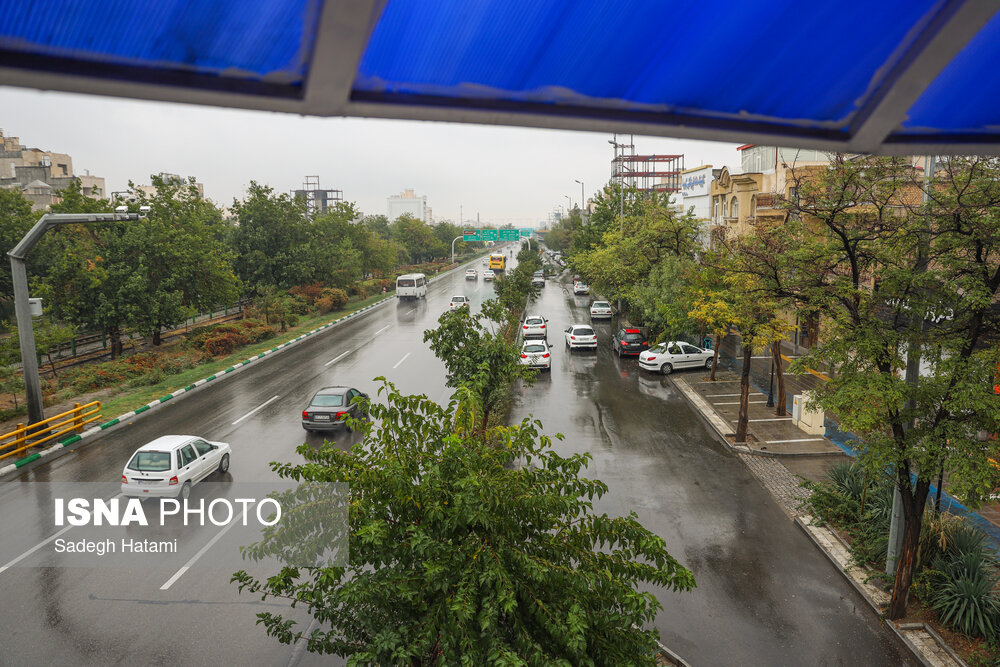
(407, 202)
(41, 175)
(318, 199)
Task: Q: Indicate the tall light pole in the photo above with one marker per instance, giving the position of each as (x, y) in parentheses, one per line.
(19, 274)
(583, 201)
(570, 206)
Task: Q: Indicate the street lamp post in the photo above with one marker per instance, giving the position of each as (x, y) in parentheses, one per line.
(453, 247)
(19, 274)
(770, 390)
(583, 202)
(569, 208)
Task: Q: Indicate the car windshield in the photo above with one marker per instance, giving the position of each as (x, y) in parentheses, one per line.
(328, 400)
(534, 348)
(150, 461)
(583, 331)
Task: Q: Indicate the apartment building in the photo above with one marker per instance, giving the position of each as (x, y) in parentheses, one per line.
(41, 175)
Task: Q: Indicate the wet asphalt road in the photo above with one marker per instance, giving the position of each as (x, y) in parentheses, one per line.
(765, 595)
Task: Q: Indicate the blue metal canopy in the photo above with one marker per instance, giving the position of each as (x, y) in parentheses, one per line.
(898, 76)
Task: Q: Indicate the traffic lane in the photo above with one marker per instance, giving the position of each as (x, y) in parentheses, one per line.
(765, 595)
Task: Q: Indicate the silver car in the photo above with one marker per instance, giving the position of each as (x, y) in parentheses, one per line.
(330, 407)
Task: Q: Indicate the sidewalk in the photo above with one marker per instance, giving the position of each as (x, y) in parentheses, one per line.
(778, 453)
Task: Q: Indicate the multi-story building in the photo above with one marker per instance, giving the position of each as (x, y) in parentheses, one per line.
(407, 202)
(150, 190)
(696, 197)
(41, 175)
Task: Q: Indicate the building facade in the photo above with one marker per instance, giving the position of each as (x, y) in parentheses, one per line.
(408, 203)
(695, 197)
(41, 175)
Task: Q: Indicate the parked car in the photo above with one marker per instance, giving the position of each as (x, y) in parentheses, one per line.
(581, 288)
(666, 357)
(170, 465)
(580, 336)
(471, 274)
(534, 327)
(629, 341)
(488, 275)
(457, 302)
(536, 353)
(600, 310)
(330, 407)
(538, 280)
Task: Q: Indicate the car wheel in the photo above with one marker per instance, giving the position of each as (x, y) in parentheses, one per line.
(708, 363)
(185, 491)
(224, 463)
(666, 369)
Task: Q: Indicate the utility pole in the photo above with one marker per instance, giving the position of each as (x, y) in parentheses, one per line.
(583, 201)
(897, 524)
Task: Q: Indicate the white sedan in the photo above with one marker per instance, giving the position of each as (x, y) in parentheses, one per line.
(580, 336)
(666, 357)
(534, 327)
(488, 275)
(471, 274)
(600, 310)
(536, 353)
(457, 302)
(170, 465)
(581, 288)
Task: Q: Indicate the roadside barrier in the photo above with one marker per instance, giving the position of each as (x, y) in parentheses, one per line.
(25, 437)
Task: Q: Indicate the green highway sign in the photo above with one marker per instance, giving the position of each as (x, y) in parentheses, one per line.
(508, 235)
(471, 235)
(527, 232)
(489, 235)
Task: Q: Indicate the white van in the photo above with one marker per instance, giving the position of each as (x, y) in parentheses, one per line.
(411, 286)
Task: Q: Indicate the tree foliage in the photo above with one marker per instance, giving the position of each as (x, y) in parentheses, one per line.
(467, 553)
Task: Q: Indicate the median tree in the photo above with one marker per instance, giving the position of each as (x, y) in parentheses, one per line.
(463, 552)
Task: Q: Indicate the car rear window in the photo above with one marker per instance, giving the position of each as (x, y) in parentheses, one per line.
(458, 298)
(150, 461)
(404, 283)
(633, 337)
(601, 304)
(534, 348)
(583, 331)
(533, 320)
(328, 400)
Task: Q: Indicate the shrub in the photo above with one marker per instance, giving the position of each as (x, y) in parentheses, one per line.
(966, 602)
(309, 293)
(256, 330)
(334, 299)
(225, 342)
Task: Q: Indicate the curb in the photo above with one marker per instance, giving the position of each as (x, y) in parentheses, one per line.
(60, 447)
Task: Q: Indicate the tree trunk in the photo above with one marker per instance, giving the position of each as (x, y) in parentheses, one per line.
(776, 355)
(156, 337)
(115, 334)
(741, 425)
(715, 357)
(913, 517)
(52, 364)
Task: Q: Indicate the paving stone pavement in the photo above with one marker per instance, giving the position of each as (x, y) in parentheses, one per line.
(776, 478)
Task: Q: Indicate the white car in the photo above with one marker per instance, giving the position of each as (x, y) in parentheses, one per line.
(600, 310)
(534, 327)
(170, 465)
(536, 353)
(580, 336)
(580, 287)
(471, 274)
(486, 262)
(488, 275)
(457, 302)
(667, 357)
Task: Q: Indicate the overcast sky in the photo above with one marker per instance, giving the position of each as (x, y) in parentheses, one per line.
(505, 174)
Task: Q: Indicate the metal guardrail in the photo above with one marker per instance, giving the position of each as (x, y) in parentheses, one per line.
(65, 423)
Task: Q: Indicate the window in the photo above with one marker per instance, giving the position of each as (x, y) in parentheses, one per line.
(150, 461)
(688, 349)
(420, 281)
(202, 447)
(180, 460)
(404, 283)
(327, 401)
(734, 208)
(674, 349)
(187, 454)
(583, 331)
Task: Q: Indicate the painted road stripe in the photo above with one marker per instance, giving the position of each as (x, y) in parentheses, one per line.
(333, 361)
(401, 361)
(775, 442)
(259, 407)
(33, 549)
(737, 403)
(382, 329)
(201, 552)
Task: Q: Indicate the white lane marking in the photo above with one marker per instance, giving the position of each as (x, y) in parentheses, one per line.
(774, 442)
(201, 552)
(33, 549)
(333, 361)
(259, 407)
(401, 361)
(411, 310)
(384, 328)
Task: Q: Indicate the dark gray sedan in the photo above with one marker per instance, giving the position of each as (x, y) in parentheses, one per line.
(330, 407)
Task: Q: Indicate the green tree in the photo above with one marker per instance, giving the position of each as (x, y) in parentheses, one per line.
(462, 552)
(417, 239)
(16, 218)
(272, 242)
